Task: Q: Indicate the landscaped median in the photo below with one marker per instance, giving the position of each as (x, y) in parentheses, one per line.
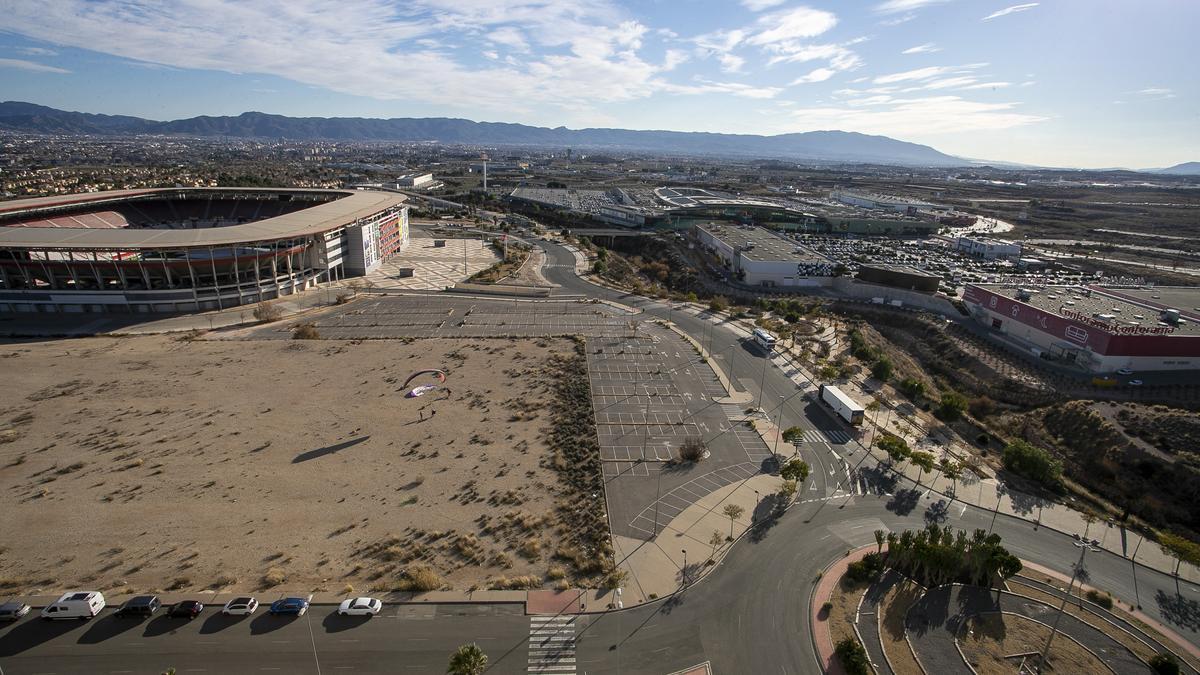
(940, 601)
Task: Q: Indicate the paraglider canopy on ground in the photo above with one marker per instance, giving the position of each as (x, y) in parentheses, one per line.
(420, 390)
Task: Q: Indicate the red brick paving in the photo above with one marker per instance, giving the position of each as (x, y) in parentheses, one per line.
(553, 602)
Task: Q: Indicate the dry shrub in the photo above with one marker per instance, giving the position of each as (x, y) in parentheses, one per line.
(556, 572)
(531, 549)
(306, 331)
(273, 577)
(420, 579)
(267, 312)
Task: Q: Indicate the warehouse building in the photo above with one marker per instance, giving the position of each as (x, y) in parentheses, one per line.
(759, 257)
(899, 276)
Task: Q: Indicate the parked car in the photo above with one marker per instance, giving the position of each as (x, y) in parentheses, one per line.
(13, 610)
(140, 606)
(1134, 383)
(296, 606)
(243, 606)
(1124, 371)
(75, 605)
(360, 607)
(187, 609)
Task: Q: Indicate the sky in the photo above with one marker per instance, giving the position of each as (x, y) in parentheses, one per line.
(1067, 83)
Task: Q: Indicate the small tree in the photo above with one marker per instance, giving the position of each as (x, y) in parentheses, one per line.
(718, 304)
(951, 406)
(468, 660)
(787, 492)
(733, 512)
(692, 449)
(267, 312)
(922, 460)
(716, 540)
(793, 434)
(853, 657)
(882, 370)
(1179, 548)
(895, 447)
(795, 470)
(1031, 462)
(953, 471)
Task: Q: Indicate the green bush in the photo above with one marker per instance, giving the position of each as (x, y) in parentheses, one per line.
(951, 407)
(853, 657)
(912, 388)
(1164, 663)
(1103, 599)
(1033, 463)
(882, 370)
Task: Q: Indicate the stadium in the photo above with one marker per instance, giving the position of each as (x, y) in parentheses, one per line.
(189, 249)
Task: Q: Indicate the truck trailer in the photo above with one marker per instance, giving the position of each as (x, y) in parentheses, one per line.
(843, 405)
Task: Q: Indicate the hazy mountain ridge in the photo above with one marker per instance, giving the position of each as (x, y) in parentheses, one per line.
(1184, 169)
(823, 146)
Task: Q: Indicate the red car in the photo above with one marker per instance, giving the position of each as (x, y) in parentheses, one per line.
(188, 609)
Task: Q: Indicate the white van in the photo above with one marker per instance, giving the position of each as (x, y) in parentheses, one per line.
(75, 605)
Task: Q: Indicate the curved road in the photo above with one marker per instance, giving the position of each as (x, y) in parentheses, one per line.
(749, 615)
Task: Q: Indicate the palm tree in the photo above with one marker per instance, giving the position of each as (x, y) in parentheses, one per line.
(878, 540)
(468, 660)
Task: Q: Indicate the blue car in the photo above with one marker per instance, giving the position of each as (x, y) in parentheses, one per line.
(297, 606)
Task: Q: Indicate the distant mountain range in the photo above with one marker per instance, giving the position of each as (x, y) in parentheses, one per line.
(1185, 169)
(813, 146)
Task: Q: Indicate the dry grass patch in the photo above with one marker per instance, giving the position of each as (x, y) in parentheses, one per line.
(892, 611)
(845, 599)
(987, 638)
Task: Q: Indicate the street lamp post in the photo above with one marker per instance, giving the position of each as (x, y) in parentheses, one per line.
(1083, 549)
(685, 567)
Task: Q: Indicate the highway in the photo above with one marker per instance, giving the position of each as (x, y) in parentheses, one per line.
(750, 615)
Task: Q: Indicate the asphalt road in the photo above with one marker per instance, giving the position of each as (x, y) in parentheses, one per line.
(750, 615)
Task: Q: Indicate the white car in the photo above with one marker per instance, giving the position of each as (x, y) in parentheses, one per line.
(360, 607)
(243, 606)
(1134, 383)
(1124, 371)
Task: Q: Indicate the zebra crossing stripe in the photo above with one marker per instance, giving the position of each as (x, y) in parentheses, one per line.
(551, 645)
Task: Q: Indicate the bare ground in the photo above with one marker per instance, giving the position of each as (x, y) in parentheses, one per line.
(154, 463)
(987, 639)
(893, 610)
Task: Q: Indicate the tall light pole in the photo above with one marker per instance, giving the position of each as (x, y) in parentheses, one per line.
(762, 379)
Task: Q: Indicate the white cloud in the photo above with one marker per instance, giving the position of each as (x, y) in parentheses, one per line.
(491, 54)
(733, 88)
(37, 51)
(791, 24)
(818, 75)
(22, 64)
(912, 116)
(760, 5)
(731, 63)
(582, 53)
(1157, 92)
(673, 58)
(927, 48)
(1010, 10)
(897, 20)
(990, 85)
(509, 37)
(897, 6)
(927, 73)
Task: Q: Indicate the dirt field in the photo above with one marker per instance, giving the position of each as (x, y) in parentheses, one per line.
(154, 463)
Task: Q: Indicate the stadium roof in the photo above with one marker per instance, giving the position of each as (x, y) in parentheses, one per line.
(353, 204)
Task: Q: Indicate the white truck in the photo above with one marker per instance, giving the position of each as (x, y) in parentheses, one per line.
(75, 605)
(843, 405)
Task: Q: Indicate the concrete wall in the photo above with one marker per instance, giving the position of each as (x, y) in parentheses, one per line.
(858, 290)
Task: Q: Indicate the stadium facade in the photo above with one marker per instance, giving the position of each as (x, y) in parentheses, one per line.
(189, 249)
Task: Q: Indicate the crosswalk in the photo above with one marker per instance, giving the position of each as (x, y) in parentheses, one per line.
(834, 436)
(552, 644)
